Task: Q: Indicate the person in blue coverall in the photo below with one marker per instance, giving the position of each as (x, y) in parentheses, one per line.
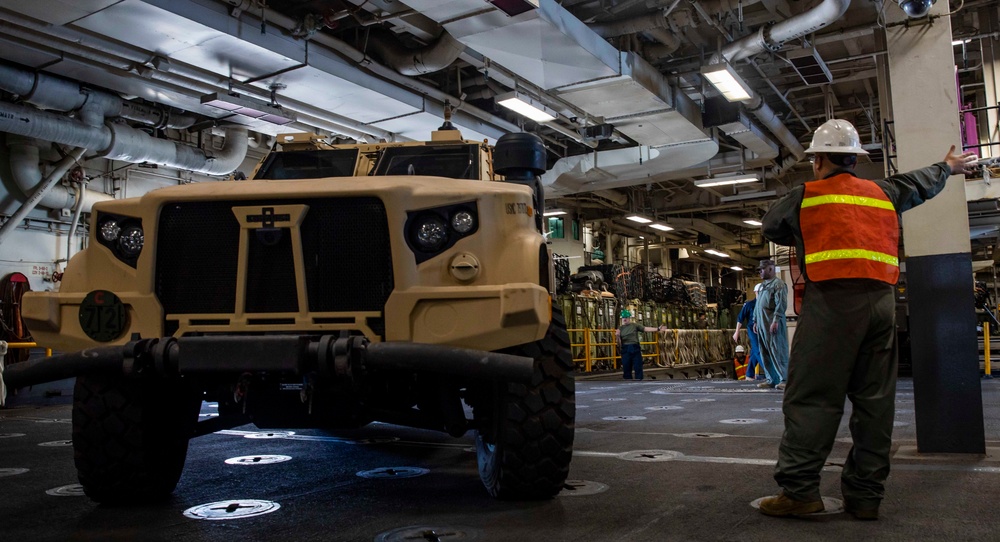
(745, 318)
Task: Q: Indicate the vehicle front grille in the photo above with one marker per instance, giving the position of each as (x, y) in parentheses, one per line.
(346, 254)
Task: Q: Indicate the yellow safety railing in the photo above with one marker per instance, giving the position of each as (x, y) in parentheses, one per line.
(48, 351)
(986, 349)
(589, 358)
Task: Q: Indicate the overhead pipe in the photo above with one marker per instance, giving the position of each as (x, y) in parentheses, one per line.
(770, 37)
(26, 173)
(122, 142)
(60, 169)
(434, 57)
(92, 50)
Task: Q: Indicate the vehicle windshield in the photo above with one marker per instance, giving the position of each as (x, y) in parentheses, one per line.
(309, 164)
(452, 161)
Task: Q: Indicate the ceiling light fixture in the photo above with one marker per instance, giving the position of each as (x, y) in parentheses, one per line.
(727, 180)
(748, 195)
(527, 106)
(554, 212)
(639, 219)
(515, 7)
(714, 252)
(724, 78)
(753, 222)
(736, 268)
(659, 226)
(250, 107)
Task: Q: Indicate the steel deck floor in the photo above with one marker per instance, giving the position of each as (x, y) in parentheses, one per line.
(672, 460)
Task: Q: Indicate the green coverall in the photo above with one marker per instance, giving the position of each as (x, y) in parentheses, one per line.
(844, 346)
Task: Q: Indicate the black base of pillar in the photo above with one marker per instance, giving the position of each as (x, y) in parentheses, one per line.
(948, 398)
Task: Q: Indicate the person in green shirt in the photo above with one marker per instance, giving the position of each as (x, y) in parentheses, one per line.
(628, 342)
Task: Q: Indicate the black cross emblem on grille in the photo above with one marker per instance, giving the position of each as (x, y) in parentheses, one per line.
(267, 218)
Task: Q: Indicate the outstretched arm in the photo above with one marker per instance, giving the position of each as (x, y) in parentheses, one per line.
(964, 163)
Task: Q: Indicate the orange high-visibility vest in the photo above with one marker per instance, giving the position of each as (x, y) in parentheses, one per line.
(740, 367)
(850, 229)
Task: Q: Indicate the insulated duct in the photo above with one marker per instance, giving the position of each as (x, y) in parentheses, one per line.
(60, 169)
(413, 62)
(27, 175)
(121, 142)
(770, 37)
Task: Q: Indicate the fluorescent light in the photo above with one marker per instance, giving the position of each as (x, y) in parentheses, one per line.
(959, 42)
(753, 222)
(714, 252)
(525, 105)
(736, 268)
(726, 180)
(661, 227)
(554, 212)
(724, 78)
(749, 195)
(250, 107)
(639, 219)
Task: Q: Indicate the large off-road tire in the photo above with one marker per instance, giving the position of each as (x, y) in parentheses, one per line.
(526, 443)
(130, 436)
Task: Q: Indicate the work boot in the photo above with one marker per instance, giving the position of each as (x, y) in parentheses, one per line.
(780, 386)
(765, 385)
(864, 513)
(781, 505)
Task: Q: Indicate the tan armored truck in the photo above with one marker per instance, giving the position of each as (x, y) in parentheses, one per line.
(344, 284)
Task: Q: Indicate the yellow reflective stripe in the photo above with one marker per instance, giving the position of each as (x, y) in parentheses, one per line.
(848, 200)
(856, 253)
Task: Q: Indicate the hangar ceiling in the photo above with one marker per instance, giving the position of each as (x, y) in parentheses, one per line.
(636, 122)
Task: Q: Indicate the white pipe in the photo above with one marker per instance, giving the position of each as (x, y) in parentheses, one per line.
(770, 38)
(412, 62)
(77, 210)
(61, 168)
(23, 156)
(122, 142)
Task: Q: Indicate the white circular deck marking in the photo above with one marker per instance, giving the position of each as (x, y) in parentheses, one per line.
(235, 509)
(830, 506)
(581, 488)
(650, 456)
(72, 490)
(258, 459)
(12, 472)
(270, 434)
(743, 421)
(393, 472)
(623, 418)
(11, 435)
(57, 443)
(667, 407)
(442, 533)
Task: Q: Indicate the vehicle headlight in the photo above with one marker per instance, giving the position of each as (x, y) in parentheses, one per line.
(430, 233)
(110, 230)
(463, 222)
(131, 241)
(122, 235)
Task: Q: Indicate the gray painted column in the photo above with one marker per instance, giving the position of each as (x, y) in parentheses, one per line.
(938, 264)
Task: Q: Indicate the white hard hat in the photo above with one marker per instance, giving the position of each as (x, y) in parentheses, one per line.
(739, 348)
(836, 136)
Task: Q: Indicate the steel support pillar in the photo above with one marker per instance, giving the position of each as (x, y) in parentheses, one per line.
(938, 262)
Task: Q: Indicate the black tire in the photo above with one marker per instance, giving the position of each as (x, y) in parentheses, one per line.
(130, 436)
(525, 446)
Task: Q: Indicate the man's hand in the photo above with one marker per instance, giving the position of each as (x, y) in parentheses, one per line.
(964, 163)
(774, 328)
(736, 337)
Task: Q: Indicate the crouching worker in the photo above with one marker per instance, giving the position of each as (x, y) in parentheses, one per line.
(740, 363)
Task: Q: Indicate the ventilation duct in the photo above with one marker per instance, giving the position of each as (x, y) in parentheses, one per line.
(750, 136)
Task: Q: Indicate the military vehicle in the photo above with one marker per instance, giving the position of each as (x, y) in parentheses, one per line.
(342, 284)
